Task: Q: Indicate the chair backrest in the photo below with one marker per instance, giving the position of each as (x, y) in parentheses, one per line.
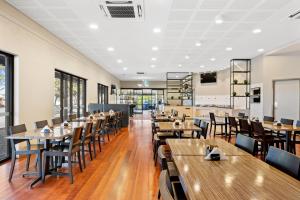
(15, 130)
(75, 140)
(285, 161)
(257, 129)
(165, 186)
(56, 121)
(197, 122)
(287, 121)
(204, 129)
(175, 113)
(88, 131)
(41, 124)
(268, 119)
(86, 114)
(247, 144)
(72, 117)
(162, 158)
(98, 125)
(183, 117)
(212, 117)
(242, 115)
(244, 126)
(232, 122)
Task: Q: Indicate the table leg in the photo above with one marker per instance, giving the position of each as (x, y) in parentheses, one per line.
(288, 141)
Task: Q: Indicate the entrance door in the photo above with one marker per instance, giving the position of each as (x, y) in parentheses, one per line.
(6, 102)
(287, 98)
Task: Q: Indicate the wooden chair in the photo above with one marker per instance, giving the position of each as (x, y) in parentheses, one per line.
(265, 138)
(268, 119)
(65, 151)
(72, 117)
(41, 124)
(284, 161)
(295, 140)
(99, 132)
(169, 190)
(183, 117)
(56, 121)
(245, 127)
(86, 139)
(28, 152)
(165, 162)
(204, 130)
(214, 123)
(246, 143)
(233, 127)
(241, 115)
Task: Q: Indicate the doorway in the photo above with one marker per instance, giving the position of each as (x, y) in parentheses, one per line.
(6, 102)
(286, 99)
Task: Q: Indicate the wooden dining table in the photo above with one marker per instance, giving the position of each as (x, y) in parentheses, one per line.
(179, 129)
(239, 177)
(57, 133)
(288, 129)
(197, 147)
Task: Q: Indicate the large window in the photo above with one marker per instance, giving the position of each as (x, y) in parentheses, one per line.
(102, 94)
(70, 95)
(6, 101)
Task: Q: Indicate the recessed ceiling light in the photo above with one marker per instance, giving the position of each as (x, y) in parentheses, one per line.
(212, 59)
(139, 85)
(119, 61)
(110, 49)
(176, 76)
(229, 49)
(153, 59)
(198, 44)
(219, 19)
(187, 57)
(179, 65)
(93, 26)
(260, 50)
(256, 31)
(155, 48)
(152, 66)
(156, 30)
(125, 68)
(201, 66)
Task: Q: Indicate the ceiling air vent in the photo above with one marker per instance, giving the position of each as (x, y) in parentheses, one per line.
(296, 15)
(116, 9)
(140, 73)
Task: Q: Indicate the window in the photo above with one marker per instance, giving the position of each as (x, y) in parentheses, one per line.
(102, 94)
(70, 95)
(6, 101)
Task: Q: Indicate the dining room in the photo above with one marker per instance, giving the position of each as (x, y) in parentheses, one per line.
(150, 99)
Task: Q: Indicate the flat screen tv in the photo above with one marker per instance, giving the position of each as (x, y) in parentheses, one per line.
(208, 77)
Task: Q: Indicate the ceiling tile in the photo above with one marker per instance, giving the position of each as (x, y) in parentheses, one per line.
(213, 4)
(176, 25)
(180, 15)
(181, 4)
(244, 4)
(206, 15)
(198, 26)
(259, 16)
(62, 13)
(52, 3)
(232, 16)
(274, 4)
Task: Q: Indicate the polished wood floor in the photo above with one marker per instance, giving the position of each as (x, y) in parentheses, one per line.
(123, 170)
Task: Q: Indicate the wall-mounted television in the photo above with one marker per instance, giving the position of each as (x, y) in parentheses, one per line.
(210, 77)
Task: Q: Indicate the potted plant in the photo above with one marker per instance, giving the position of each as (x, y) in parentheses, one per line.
(235, 81)
(172, 97)
(234, 94)
(247, 94)
(245, 82)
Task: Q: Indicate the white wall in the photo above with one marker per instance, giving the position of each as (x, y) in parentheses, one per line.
(265, 69)
(134, 84)
(38, 53)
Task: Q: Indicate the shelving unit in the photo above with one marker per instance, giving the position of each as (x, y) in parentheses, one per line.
(240, 77)
(179, 88)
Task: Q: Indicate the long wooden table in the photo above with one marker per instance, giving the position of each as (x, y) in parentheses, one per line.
(179, 129)
(197, 147)
(239, 177)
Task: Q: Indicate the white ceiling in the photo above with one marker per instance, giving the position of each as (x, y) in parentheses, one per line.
(182, 23)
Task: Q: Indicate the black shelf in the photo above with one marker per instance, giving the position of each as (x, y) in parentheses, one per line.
(240, 69)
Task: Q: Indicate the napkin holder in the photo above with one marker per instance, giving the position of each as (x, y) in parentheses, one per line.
(213, 156)
(66, 124)
(177, 123)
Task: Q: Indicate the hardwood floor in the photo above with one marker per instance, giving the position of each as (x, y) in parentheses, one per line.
(123, 170)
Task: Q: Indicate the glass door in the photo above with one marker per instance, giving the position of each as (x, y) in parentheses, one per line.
(6, 102)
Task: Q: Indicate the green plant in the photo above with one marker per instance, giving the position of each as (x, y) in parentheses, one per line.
(247, 94)
(234, 94)
(235, 81)
(245, 82)
(172, 97)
